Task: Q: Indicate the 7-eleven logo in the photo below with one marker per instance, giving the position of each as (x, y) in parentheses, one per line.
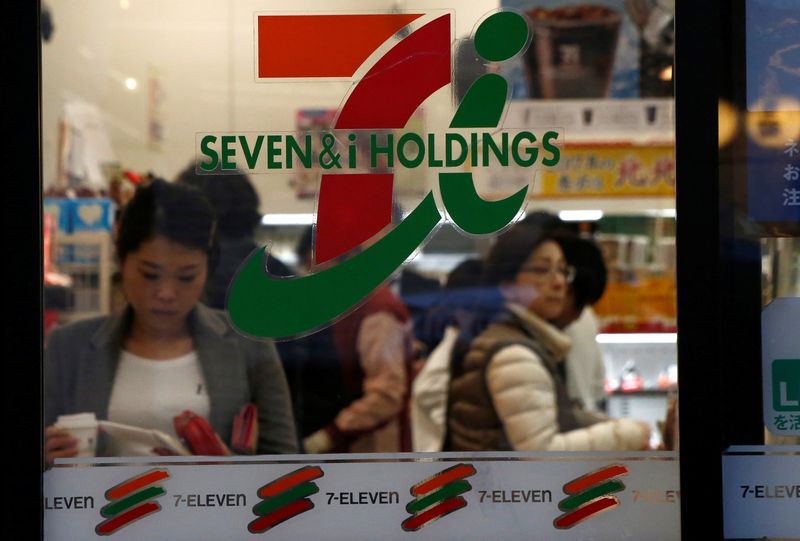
(285, 498)
(589, 495)
(438, 496)
(131, 500)
(395, 62)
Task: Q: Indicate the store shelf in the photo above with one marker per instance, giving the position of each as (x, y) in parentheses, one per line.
(86, 258)
(644, 392)
(637, 338)
(599, 119)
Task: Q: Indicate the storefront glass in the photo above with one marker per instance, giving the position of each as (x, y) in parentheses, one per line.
(413, 256)
(759, 132)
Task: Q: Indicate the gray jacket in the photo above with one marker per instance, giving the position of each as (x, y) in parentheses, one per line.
(81, 358)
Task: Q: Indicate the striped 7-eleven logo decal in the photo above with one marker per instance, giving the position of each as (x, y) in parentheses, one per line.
(284, 498)
(438, 496)
(131, 500)
(589, 495)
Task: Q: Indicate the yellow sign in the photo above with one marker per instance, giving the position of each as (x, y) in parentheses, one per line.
(611, 171)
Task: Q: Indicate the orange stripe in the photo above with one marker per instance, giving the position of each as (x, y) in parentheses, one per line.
(322, 45)
(120, 491)
(290, 480)
(446, 476)
(594, 478)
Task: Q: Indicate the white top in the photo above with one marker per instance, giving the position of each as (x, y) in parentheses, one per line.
(429, 396)
(586, 371)
(148, 393)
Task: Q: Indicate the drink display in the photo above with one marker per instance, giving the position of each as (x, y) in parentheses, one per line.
(572, 53)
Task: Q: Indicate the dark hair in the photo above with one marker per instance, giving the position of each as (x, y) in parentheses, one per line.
(546, 220)
(465, 274)
(303, 247)
(235, 200)
(512, 249)
(176, 211)
(591, 274)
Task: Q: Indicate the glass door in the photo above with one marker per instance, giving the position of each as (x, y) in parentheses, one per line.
(413, 263)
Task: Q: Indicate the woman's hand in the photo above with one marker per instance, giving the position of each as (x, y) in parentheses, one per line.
(645, 427)
(227, 449)
(59, 444)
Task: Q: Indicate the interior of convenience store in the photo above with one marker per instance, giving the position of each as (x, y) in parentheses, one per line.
(128, 84)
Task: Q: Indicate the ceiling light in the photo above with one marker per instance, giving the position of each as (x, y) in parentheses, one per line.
(660, 213)
(580, 215)
(637, 338)
(288, 219)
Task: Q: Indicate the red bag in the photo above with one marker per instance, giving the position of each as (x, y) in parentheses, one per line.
(198, 435)
(244, 438)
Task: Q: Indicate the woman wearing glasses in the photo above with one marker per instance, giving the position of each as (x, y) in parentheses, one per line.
(507, 390)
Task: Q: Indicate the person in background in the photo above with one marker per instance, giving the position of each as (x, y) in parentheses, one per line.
(584, 366)
(464, 308)
(469, 308)
(312, 366)
(164, 352)
(373, 345)
(508, 393)
(236, 205)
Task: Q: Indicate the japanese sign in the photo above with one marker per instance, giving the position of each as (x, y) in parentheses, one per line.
(773, 118)
(600, 171)
(781, 366)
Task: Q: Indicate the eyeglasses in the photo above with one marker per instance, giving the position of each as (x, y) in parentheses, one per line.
(543, 271)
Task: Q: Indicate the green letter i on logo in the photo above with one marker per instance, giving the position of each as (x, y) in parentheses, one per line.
(786, 384)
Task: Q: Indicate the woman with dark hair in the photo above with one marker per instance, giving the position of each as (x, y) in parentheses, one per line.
(165, 352)
(508, 392)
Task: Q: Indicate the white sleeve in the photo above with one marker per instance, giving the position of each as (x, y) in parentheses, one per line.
(525, 400)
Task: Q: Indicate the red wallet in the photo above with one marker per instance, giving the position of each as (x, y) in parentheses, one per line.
(244, 437)
(198, 435)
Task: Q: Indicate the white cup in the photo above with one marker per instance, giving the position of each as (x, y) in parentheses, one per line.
(82, 426)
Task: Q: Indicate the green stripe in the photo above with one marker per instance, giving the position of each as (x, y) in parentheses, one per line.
(473, 213)
(447, 491)
(279, 500)
(118, 507)
(600, 490)
(318, 298)
(483, 104)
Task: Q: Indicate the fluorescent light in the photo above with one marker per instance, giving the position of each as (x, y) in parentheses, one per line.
(288, 219)
(130, 83)
(660, 213)
(580, 215)
(638, 338)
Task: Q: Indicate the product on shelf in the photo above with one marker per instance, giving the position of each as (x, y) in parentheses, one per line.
(640, 296)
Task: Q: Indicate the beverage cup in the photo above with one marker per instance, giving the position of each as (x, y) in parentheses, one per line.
(83, 427)
(572, 52)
